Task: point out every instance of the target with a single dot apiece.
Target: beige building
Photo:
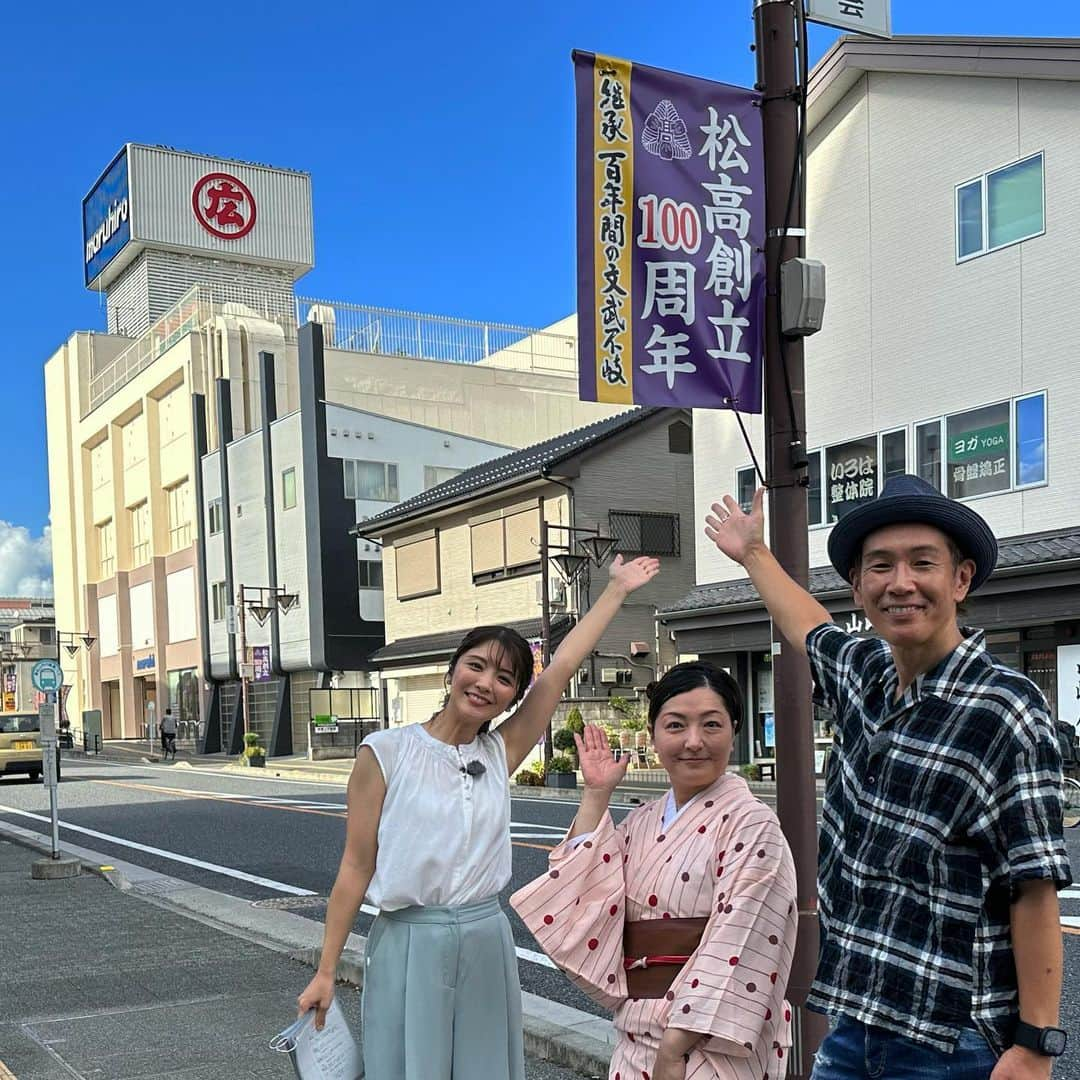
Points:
(121, 446)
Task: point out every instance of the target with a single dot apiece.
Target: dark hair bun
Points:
(650, 690)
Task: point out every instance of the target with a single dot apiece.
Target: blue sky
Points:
(439, 139)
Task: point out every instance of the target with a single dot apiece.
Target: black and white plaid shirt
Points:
(937, 806)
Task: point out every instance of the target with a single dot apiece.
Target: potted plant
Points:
(560, 772)
(575, 723)
(254, 754)
(564, 743)
(529, 778)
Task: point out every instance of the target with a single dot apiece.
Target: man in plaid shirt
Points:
(941, 844)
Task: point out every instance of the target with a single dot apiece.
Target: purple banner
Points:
(671, 237)
(260, 658)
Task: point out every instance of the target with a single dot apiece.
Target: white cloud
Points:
(25, 561)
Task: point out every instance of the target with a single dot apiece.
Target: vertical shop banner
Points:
(671, 238)
(260, 659)
(1068, 684)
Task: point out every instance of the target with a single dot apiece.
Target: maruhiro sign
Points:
(862, 16)
(671, 237)
(106, 218)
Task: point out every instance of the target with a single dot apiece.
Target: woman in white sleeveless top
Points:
(428, 843)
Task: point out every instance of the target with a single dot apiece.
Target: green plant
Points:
(564, 740)
(529, 778)
(574, 721)
(612, 734)
(560, 763)
(622, 706)
(750, 772)
(634, 723)
(252, 748)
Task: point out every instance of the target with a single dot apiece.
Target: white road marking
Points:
(227, 871)
(1071, 921)
(1069, 894)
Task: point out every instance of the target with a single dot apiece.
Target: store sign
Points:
(106, 219)
(260, 659)
(978, 452)
(671, 238)
(146, 663)
(1068, 684)
(324, 725)
(871, 17)
(851, 475)
(223, 205)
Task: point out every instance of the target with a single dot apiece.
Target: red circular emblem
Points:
(223, 205)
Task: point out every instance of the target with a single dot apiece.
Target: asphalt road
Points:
(277, 842)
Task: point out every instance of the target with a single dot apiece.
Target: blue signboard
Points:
(106, 218)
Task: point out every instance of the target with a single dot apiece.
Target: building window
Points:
(183, 688)
(852, 471)
(892, 454)
(139, 526)
(643, 533)
(219, 601)
(178, 502)
(745, 486)
(506, 544)
(106, 544)
(815, 513)
(437, 474)
(416, 566)
(928, 452)
(377, 480)
(214, 516)
(680, 438)
(1000, 208)
(288, 489)
(370, 571)
(987, 450)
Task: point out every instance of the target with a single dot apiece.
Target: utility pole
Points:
(775, 23)
(241, 650)
(545, 620)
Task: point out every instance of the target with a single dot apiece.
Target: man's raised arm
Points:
(741, 537)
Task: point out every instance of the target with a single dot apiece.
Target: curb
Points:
(553, 1031)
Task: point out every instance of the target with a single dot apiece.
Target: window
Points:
(219, 601)
(985, 451)
(416, 566)
(852, 471)
(370, 573)
(371, 480)
(893, 454)
(1031, 440)
(106, 544)
(505, 544)
(745, 486)
(928, 452)
(214, 516)
(437, 474)
(184, 697)
(680, 438)
(288, 489)
(644, 534)
(1000, 208)
(178, 503)
(139, 525)
(815, 514)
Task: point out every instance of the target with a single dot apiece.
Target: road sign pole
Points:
(49, 751)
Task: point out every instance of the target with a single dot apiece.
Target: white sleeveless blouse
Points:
(444, 835)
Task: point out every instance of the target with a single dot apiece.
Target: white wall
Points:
(909, 334)
(180, 593)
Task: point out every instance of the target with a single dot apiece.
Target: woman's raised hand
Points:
(736, 533)
(599, 769)
(635, 573)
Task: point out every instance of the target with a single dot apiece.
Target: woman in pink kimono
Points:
(682, 918)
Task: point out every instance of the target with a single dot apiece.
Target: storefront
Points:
(1029, 609)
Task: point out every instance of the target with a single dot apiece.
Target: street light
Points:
(260, 600)
(570, 567)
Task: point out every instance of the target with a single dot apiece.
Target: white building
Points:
(942, 197)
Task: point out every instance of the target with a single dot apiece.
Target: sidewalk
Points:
(102, 984)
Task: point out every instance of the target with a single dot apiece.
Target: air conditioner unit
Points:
(609, 675)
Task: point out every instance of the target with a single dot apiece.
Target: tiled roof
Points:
(517, 465)
(1015, 552)
(441, 646)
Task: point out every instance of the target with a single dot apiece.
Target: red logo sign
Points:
(223, 206)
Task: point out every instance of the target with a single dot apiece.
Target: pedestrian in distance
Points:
(428, 843)
(682, 918)
(941, 844)
(167, 728)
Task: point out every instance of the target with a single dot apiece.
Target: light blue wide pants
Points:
(441, 995)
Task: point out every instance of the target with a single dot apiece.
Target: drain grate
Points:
(292, 903)
(159, 885)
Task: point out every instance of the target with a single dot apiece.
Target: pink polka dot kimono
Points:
(723, 858)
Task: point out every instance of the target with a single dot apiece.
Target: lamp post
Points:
(570, 566)
(71, 641)
(260, 600)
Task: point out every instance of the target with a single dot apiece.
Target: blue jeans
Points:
(854, 1051)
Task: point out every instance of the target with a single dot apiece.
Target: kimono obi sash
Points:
(655, 951)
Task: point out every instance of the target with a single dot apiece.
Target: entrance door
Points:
(110, 714)
(146, 701)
